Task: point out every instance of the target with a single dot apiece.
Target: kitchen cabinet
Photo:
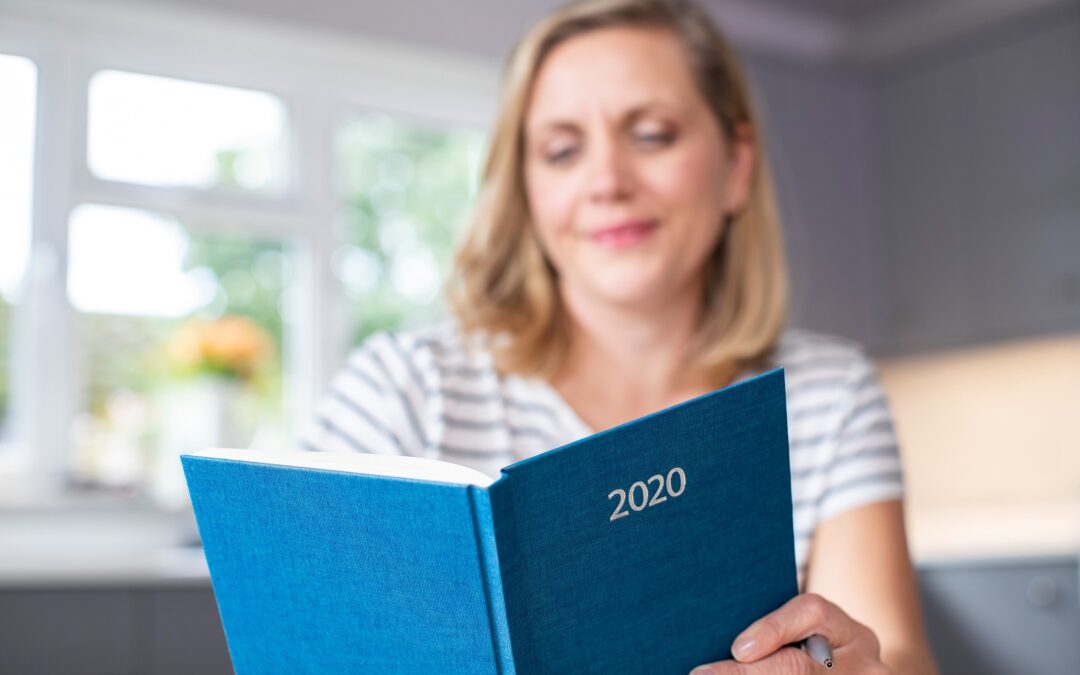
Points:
(1003, 617)
(987, 616)
(980, 212)
(114, 631)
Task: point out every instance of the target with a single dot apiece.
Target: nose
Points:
(610, 173)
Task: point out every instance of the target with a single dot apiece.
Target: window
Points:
(180, 339)
(169, 132)
(17, 89)
(192, 276)
(179, 323)
(407, 188)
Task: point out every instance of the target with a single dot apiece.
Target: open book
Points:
(645, 548)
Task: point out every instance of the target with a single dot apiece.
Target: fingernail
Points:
(744, 647)
(702, 670)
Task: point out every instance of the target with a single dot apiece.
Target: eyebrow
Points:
(562, 124)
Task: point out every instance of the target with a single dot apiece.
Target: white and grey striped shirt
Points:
(434, 393)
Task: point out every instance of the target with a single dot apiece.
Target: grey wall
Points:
(980, 175)
(936, 202)
(818, 127)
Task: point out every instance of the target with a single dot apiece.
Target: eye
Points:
(654, 138)
(652, 134)
(560, 154)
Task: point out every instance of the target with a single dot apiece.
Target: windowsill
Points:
(87, 544)
(154, 568)
(95, 543)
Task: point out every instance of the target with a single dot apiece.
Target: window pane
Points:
(179, 340)
(162, 131)
(407, 189)
(18, 83)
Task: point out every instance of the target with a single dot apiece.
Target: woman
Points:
(625, 255)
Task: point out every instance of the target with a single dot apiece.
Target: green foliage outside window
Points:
(250, 273)
(408, 188)
(128, 351)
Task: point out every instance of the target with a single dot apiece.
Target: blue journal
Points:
(646, 548)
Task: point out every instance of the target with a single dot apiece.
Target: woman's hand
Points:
(765, 647)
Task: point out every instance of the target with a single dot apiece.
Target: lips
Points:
(624, 234)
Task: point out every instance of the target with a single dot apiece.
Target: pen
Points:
(818, 648)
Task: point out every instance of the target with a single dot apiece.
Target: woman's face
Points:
(627, 171)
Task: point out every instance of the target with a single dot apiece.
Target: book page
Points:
(396, 466)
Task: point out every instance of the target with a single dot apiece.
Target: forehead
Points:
(612, 70)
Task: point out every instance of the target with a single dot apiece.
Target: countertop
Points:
(90, 545)
(994, 532)
(118, 547)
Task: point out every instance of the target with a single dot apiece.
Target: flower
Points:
(232, 346)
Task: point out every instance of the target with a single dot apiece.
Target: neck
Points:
(633, 357)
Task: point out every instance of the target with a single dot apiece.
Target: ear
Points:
(742, 155)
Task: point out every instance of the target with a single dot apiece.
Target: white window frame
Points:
(322, 79)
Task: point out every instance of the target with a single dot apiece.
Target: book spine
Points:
(484, 527)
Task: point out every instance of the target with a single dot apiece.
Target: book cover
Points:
(645, 548)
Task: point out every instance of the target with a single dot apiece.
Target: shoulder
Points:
(844, 451)
(444, 342)
(836, 404)
(799, 348)
(820, 364)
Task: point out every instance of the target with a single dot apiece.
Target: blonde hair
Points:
(503, 287)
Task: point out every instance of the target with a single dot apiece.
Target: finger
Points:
(799, 618)
(787, 661)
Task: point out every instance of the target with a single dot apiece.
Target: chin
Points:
(641, 282)
(629, 293)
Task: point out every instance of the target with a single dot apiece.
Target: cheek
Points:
(551, 204)
(691, 183)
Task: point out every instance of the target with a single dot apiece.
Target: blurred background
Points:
(205, 203)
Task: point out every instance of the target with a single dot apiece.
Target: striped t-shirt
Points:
(435, 393)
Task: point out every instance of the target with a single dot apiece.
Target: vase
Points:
(205, 412)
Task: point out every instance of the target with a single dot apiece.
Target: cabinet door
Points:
(978, 152)
(1003, 618)
(187, 633)
(67, 631)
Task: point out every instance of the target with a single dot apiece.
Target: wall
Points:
(989, 426)
(928, 203)
(818, 126)
(980, 175)
(935, 202)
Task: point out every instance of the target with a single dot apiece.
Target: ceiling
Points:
(848, 10)
(864, 32)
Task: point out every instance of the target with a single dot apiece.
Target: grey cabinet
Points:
(70, 631)
(992, 618)
(144, 631)
(1003, 618)
(980, 176)
(187, 635)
